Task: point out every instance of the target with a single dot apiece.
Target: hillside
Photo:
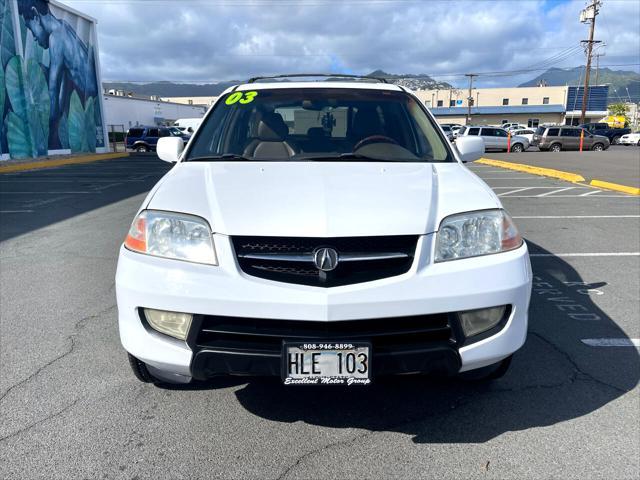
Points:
(170, 89)
(619, 81)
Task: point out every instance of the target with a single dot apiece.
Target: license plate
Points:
(330, 363)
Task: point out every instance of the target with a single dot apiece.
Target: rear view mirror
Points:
(469, 148)
(169, 149)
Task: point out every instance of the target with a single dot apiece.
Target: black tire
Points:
(140, 370)
(517, 148)
(638, 143)
(597, 147)
(615, 140)
(142, 149)
(488, 373)
(556, 147)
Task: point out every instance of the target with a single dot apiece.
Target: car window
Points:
(446, 128)
(570, 132)
(153, 132)
(461, 130)
(540, 130)
(135, 132)
(319, 123)
(164, 132)
(474, 131)
(553, 132)
(486, 132)
(500, 133)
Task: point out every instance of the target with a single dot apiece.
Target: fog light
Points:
(170, 323)
(474, 322)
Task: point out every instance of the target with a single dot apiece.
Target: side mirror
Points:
(470, 148)
(169, 149)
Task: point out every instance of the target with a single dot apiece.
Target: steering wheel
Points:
(374, 139)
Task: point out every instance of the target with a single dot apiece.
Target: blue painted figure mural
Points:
(52, 84)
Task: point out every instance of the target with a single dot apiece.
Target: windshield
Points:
(318, 124)
(175, 131)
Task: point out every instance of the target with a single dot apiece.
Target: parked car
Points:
(613, 134)
(630, 139)
(526, 133)
(556, 139)
(392, 258)
(495, 138)
(447, 131)
(144, 138)
(507, 126)
(516, 126)
(189, 124)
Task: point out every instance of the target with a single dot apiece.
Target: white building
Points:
(130, 111)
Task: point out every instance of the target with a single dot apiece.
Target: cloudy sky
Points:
(214, 40)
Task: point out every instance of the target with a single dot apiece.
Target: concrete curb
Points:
(545, 172)
(19, 167)
(615, 186)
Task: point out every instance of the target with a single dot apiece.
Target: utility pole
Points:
(588, 15)
(469, 97)
(598, 55)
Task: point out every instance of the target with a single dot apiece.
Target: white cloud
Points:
(211, 41)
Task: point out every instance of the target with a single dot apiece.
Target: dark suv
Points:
(556, 138)
(144, 139)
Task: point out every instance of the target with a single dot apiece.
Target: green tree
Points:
(620, 109)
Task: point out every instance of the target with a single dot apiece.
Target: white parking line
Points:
(573, 196)
(555, 191)
(515, 191)
(579, 216)
(596, 254)
(612, 342)
(590, 193)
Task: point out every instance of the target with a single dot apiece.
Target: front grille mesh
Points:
(305, 272)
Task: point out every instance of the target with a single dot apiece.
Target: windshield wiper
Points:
(225, 157)
(352, 157)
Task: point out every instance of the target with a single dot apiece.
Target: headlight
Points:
(476, 233)
(172, 235)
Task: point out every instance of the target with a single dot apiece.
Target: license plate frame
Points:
(327, 353)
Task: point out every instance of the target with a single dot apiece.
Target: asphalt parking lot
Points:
(619, 164)
(70, 407)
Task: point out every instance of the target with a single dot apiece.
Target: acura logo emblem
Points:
(325, 259)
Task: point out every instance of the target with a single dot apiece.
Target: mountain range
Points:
(624, 85)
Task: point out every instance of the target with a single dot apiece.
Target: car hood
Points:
(319, 199)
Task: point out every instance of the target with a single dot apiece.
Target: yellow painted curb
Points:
(545, 172)
(19, 167)
(615, 186)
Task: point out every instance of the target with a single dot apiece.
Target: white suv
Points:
(324, 232)
(495, 138)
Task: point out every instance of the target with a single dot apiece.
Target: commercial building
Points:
(49, 104)
(127, 111)
(531, 106)
(203, 101)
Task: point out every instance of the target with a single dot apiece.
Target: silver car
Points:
(495, 138)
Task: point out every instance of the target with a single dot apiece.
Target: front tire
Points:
(598, 147)
(142, 149)
(615, 140)
(140, 370)
(556, 147)
(488, 373)
(517, 148)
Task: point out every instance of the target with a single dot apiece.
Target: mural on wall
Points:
(51, 86)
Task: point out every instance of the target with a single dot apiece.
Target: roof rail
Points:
(325, 75)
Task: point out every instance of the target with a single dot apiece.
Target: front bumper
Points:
(428, 292)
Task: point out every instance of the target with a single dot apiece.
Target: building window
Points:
(545, 101)
(504, 121)
(505, 101)
(452, 103)
(440, 103)
(525, 101)
(533, 122)
(190, 102)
